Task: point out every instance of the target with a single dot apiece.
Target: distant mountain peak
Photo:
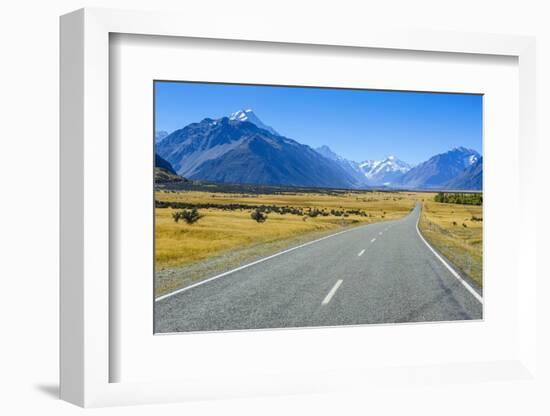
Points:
(251, 117)
(325, 148)
(327, 152)
(159, 135)
(441, 170)
(390, 163)
(239, 151)
(241, 115)
(462, 149)
(386, 172)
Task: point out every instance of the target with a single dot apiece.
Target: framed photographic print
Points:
(247, 213)
(257, 230)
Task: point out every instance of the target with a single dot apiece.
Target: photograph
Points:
(304, 206)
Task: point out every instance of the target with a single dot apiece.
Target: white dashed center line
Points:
(361, 253)
(332, 292)
(373, 240)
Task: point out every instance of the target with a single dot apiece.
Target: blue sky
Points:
(357, 124)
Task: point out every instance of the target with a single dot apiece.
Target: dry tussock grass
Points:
(452, 229)
(180, 244)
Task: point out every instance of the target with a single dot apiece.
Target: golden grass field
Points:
(179, 244)
(452, 231)
(182, 247)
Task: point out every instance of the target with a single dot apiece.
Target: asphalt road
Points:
(378, 273)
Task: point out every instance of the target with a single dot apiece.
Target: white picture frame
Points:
(86, 355)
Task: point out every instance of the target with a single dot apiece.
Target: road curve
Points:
(379, 273)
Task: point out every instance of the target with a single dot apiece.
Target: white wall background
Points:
(29, 207)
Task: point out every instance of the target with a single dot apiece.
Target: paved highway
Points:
(378, 273)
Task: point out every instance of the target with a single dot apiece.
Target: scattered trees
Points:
(459, 198)
(265, 209)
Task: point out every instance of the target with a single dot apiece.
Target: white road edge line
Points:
(361, 252)
(373, 240)
(453, 272)
(332, 292)
(254, 263)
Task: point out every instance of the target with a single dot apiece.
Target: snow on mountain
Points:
(470, 178)
(233, 151)
(441, 169)
(384, 172)
(248, 115)
(242, 149)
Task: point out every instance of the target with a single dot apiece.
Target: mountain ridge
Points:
(241, 148)
(470, 179)
(439, 170)
(236, 151)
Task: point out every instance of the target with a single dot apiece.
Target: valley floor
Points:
(374, 273)
(226, 236)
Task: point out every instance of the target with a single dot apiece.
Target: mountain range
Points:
(441, 170)
(387, 172)
(242, 149)
(237, 151)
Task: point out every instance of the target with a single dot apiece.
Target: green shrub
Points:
(313, 213)
(258, 215)
(189, 216)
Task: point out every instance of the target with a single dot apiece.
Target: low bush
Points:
(258, 216)
(266, 209)
(189, 216)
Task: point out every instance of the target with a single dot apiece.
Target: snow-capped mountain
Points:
(234, 151)
(384, 172)
(248, 115)
(439, 170)
(242, 149)
(350, 166)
